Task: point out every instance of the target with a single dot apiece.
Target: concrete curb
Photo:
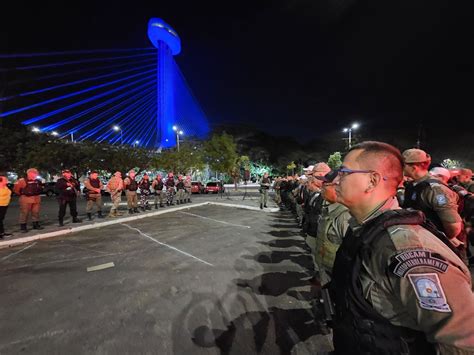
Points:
(18, 241)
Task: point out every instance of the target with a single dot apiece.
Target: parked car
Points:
(49, 188)
(214, 187)
(197, 187)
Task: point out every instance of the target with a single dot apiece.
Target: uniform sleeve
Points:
(342, 223)
(88, 185)
(434, 290)
(18, 186)
(444, 202)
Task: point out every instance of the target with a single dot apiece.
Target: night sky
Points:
(304, 68)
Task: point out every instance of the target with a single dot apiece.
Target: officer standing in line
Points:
(265, 184)
(145, 192)
(188, 188)
(431, 196)
(68, 189)
(130, 186)
(465, 179)
(332, 226)
(170, 189)
(158, 186)
(94, 194)
(29, 189)
(115, 187)
(398, 285)
(276, 188)
(180, 190)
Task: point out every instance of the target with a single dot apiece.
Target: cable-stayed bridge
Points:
(85, 94)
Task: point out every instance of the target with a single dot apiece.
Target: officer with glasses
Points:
(398, 286)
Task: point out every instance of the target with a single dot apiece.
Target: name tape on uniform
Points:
(410, 259)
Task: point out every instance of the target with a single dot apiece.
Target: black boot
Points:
(135, 210)
(130, 211)
(99, 214)
(177, 202)
(61, 222)
(161, 205)
(156, 206)
(76, 220)
(23, 228)
(261, 206)
(189, 200)
(36, 225)
(89, 216)
(265, 206)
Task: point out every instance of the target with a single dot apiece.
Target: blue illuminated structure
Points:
(86, 92)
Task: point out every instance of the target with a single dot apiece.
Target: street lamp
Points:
(136, 143)
(178, 133)
(349, 130)
(117, 129)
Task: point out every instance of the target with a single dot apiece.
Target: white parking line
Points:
(215, 220)
(164, 244)
(17, 252)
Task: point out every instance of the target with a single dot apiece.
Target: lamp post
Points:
(136, 143)
(117, 129)
(178, 133)
(349, 130)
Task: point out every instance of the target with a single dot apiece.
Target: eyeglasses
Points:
(342, 171)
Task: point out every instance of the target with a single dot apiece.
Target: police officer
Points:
(398, 287)
(158, 186)
(265, 184)
(180, 190)
(170, 189)
(145, 192)
(131, 186)
(93, 194)
(332, 227)
(188, 188)
(465, 179)
(68, 189)
(29, 190)
(431, 196)
(115, 187)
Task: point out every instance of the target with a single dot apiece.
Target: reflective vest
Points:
(358, 327)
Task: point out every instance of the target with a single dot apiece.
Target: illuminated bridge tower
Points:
(166, 40)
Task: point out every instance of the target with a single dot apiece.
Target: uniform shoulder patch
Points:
(441, 200)
(429, 292)
(408, 260)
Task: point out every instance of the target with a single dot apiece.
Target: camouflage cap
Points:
(321, 169)
(440, 171)
(415, 156)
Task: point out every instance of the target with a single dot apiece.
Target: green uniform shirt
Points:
(442, 200)
(414, 280)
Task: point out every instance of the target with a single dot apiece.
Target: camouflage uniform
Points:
(411, 279)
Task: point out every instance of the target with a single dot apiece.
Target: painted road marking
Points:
(17, 252)
(215, 220)
(100, 267)
(166, 245)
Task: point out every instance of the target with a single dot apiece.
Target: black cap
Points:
(66, 171)
(329, 177)
(94, 172)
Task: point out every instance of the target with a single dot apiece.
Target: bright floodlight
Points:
(180, 133)
(36, 129)
(137, 142)
(116, 128)
(175, 128)
(345, 130)
(54, 133)
(355, 125)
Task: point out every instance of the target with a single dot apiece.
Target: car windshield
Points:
(212, 184)
(195, 183)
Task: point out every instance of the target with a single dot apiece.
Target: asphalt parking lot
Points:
(207, 280)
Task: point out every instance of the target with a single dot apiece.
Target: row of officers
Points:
(157, 191)
(398, 278)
